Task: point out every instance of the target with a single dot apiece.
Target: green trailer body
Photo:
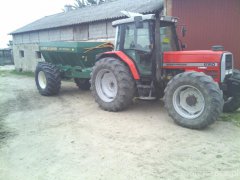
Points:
(73, 59)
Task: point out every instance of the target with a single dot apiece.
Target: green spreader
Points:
(74, 59)
(67, 60)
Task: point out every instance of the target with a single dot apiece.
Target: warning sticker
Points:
(166, 40)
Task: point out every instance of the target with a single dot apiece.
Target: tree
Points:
(79, 3)
(96, 1)
(10, 44)
(83, 3)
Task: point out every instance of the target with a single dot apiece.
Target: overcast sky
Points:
(17, 13)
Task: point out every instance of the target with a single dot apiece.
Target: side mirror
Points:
(184, 31)
(138, 22)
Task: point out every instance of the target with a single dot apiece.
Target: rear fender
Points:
(122, 56)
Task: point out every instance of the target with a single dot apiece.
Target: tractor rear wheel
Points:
(82, 84)
(193, 100)
(48, 79)
(112, 84)
(231, 104)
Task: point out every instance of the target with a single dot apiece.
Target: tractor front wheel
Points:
(112, 84)
(48, 79)
(193, 100)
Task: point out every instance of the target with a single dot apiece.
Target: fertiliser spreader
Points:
(67, 60)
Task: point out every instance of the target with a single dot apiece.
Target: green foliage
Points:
(96, 1)
(14, 72)
(79, 4)
(232, 117)
(23, 73)
(84, 3)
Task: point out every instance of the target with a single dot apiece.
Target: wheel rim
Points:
(188, 101)
(106, 85)
(42, 80)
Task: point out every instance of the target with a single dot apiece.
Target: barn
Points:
(6, 57)
(214, 22)
(210, 22)
(93, 23)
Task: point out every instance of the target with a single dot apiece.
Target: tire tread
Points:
(53, 77)
(126, 84)
(215, 109)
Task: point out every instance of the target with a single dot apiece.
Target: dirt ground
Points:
(67, 137)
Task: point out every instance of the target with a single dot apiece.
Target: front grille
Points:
(229, 62)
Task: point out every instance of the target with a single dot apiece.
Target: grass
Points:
(4, 73)
(25, 73)
(14, 72)
(232, 117)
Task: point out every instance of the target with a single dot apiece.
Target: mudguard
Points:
(122, 56)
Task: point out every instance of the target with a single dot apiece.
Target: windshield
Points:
(137, 38)
(141, 39)
(168, 42)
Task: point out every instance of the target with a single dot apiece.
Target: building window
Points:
(21, 54)
(38, 55)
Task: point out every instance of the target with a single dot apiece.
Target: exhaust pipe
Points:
(158, 52)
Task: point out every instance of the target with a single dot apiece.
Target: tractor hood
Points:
(206, 56)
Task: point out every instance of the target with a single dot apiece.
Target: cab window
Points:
(167, 39)
(137, 38)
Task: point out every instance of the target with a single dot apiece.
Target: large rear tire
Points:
(112, 84)
(82, 84)
(193, 100)
(48, 79)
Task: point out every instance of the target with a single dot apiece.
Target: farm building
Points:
(6, 57)
(93, 23)
(208, 23)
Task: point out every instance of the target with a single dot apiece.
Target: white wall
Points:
(28, 42)
(29, 61)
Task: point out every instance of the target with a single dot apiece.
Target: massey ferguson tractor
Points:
(147, 62)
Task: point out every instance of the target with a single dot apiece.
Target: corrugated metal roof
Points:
(110, 10)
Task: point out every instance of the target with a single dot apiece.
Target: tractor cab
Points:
(135, 36)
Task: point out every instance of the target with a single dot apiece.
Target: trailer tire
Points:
(232, 104)
(47, 78)
(82, 84)
(112, 84)
(193, 100)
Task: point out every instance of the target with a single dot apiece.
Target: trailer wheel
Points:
(47, 78)
(82, 84)
(112, 84)
(231, 104)
(193, 100)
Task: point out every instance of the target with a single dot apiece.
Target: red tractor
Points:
(148, 62)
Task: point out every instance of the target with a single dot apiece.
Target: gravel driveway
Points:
(67, 137)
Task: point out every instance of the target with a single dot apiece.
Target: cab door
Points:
(138, 44)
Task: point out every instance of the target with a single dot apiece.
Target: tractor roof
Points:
(144, 18)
